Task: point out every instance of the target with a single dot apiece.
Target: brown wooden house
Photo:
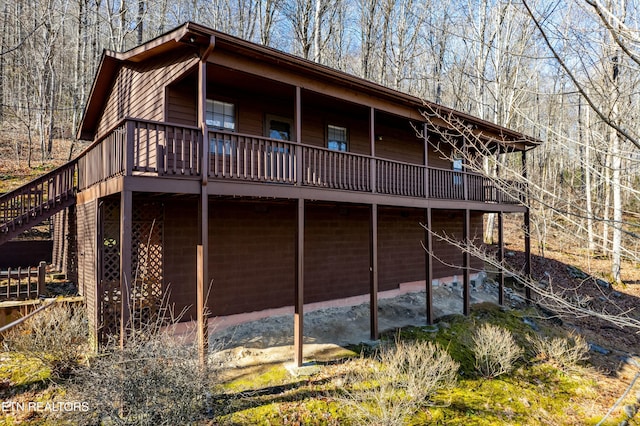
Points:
(277, 180)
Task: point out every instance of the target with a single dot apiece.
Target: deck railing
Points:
(172, 150)
(37, 200)
(398, 178)
(246, 157)
(337, 170)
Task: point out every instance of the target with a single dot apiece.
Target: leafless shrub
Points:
(404, 378)
(58, 336)
(156, 379)
(565, 353)
(495, 350)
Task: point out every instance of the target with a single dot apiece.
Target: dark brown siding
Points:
(318, 112)
(139, 90)
(180, 242)
(336, 252)
(252, 251)
(251, 256)
(88, 259)
(401, 257)
(182, 102)
(450, 223)
(24, 253)
(397, 140)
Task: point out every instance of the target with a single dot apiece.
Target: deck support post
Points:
(202, 275)
(466, 261)
(527, 228)
(501, 258)
(428, 270)
(373, 271)
(126, 276)
(202, 249)
(298, 317)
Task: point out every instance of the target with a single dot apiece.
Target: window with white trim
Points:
(336, 138)
(221, 115)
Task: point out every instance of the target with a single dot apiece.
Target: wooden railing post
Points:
(42, 269)
(372, 137)
(426, 160)
(129, 147)
(299, 152)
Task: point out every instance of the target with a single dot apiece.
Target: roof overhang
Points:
(195, 36)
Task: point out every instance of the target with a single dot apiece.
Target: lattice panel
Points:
(147, 231)
(110, 294)
(147, 262)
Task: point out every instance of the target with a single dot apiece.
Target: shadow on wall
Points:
(14, 254)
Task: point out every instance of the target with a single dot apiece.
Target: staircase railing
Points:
(37, 200)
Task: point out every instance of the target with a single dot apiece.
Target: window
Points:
(457, 169)
(277, 127)
(337, 138)
(221, 147)
(221, 115)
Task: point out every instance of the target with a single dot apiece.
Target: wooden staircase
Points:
(38, 200)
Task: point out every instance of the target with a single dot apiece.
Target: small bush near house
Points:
(564, 353)
(155, 379)
(58, 336)
(495, 350)
(393, 388)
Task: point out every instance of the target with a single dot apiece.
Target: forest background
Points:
(566, 72)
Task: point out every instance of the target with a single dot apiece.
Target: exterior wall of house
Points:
(447, 257)
(336, 252)
(87, 224)
(25, 253)
(401, 257)
(251, 256)
(182, 101)
(180, 242)
(252, 251)
(138, 90)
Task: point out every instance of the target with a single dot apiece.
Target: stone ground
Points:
(327, 331)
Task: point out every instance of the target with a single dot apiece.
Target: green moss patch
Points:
(18, 369)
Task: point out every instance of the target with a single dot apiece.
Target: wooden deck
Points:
(162, 150)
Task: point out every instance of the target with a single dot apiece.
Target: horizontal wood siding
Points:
(182, 103)
(318, 113)
(251, 256)
(336, 252)
(138, 90)
(450, 223)
(401, 257)
(396, 140)
(180, 241)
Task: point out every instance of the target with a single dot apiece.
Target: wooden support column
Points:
(372, 149)
(298, 317)
(373, 269)
(126, 275)
(501, 258)
(202, 249)
(466, 263)
(202, 273)
(428, 262)
(526, 227)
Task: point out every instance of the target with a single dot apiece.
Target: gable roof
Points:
(197, 37)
